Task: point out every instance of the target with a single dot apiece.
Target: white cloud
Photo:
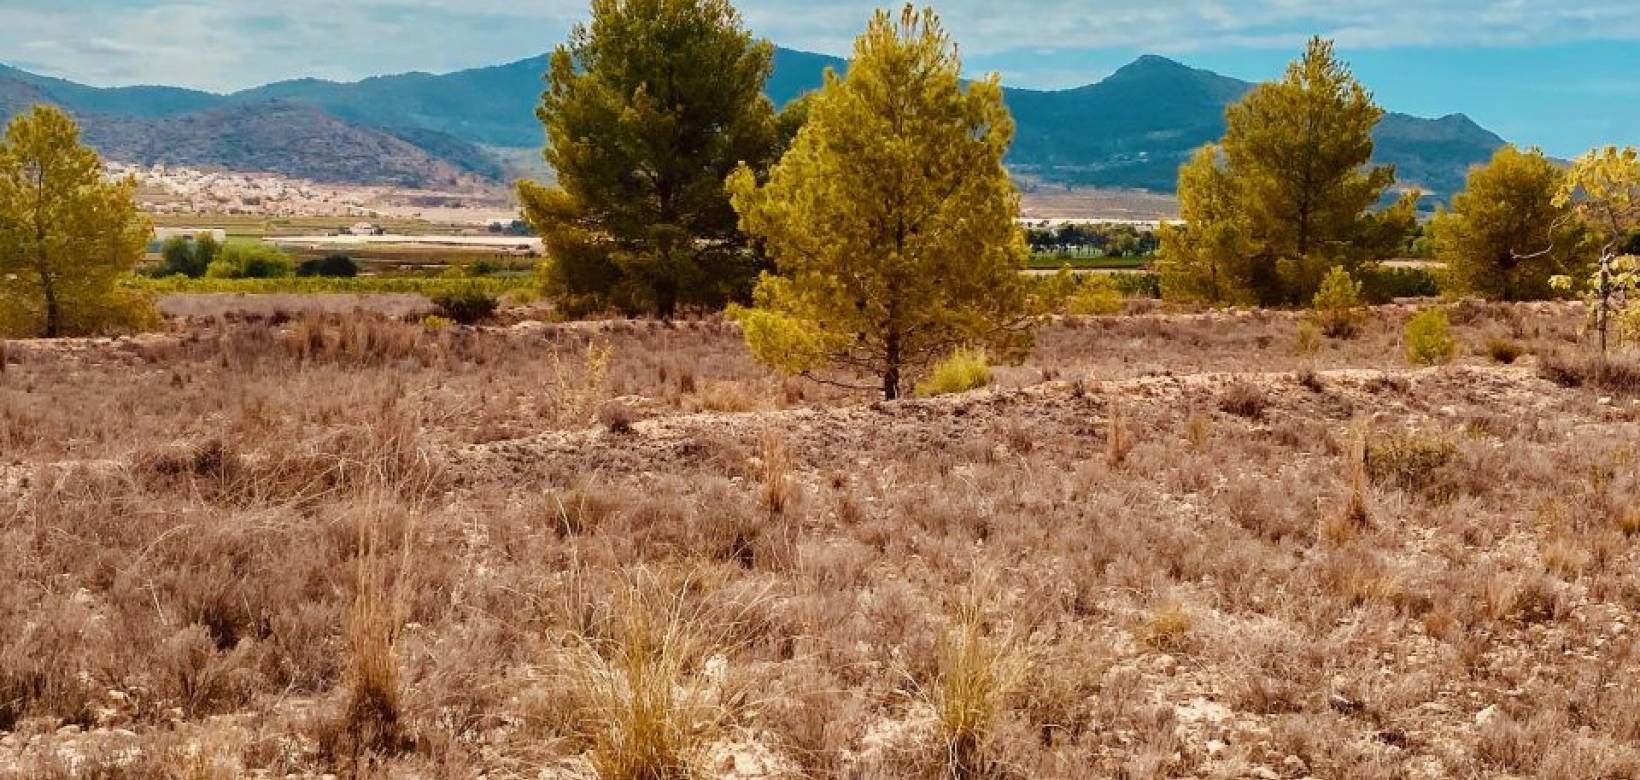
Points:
(228, 44)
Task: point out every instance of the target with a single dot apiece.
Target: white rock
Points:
(1487, 715)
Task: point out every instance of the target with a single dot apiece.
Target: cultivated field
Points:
(1168, 545)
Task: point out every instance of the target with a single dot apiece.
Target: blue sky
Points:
(1556, 73)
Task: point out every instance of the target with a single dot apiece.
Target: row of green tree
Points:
(1289, 194)
(1106, 239)
(203, 256)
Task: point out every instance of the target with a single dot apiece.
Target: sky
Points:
(1559, 74)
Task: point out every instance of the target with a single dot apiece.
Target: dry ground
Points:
(1168, 545)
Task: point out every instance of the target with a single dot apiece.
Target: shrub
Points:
(332, 266)
(1614, 374)
(966, 369)
(1095, 295)
(250, 260)
(1409, 460)
(1503, 351)
(1135, 284)
(1384, 284)
(187, 257)
(1429, 338)
(1307, 340)
(1338, 304)
(1244, 399)
(466, 304)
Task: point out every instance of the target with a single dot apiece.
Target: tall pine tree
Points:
(891, 219)
(648, 109)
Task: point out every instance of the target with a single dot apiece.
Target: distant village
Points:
(166, 189)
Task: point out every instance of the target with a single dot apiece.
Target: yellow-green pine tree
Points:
(891, 220)
(1209, 257)
(1295, 153)
(1505, 237)
(1604, 187)
(67, 235)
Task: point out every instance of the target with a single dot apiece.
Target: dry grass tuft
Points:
(978, 671)
(655, 690)
(1244, 399)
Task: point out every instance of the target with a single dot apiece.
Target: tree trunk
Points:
(891, 375)
(1602, 320)
(54, 313)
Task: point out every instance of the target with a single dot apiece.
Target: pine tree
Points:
(1604, 187)
(648, 109)
(67, 236)
(1295, 194)
(1505, 237)
(891, 219)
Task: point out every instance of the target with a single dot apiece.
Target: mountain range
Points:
(1129, 130)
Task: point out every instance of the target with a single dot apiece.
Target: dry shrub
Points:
(1244, 399)
(575, 393)
(354, 339)
(1117, 441)
(1504, 351)
(617, 418)
(1615, 374)
(1410, 460)
(1168, 628)
(1356, 515)
(371, 723)
(774, 468)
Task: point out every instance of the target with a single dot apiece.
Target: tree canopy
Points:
(891, 220)
(1288, 193)
(67, 235)
(648, 109)
(1505, 237)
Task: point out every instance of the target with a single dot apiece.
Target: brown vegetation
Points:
(354, 545)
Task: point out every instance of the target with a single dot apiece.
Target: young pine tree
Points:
(1505, 237)
(648, 109)
(891, 219)
(66, 235)
(1296, 193)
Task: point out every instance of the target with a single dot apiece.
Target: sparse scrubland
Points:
(355, 545)
(443, 537)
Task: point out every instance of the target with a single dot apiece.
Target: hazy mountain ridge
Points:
(1131, 129)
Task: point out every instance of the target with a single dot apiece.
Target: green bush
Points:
(188, 257)
(1138, 284)
(1429, 338)
(1338, 304)
(966, 369)
(250, 260)
(331, 266)
(468, 304)
(1095, 295)
(1384, 284)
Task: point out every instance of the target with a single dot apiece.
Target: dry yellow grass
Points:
(1384, 572)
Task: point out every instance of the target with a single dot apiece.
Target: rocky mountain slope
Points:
(1130, 130)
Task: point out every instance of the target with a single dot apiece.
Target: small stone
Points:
(1487, 715)
(1343, 704)
(1295, 766)
(1215, 747)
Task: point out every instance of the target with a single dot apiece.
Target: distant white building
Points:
(366, 229)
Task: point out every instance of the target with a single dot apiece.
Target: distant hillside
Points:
(294, 139)
(1130, 130)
